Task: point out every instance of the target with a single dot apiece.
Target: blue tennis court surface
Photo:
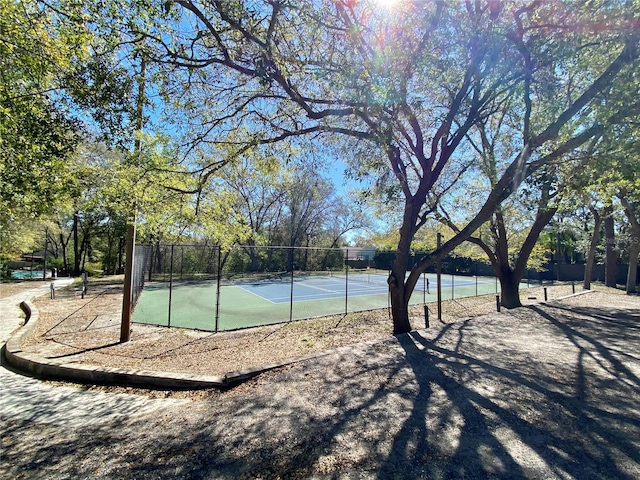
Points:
(321, 288)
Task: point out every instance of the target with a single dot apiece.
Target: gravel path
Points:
(546, 391)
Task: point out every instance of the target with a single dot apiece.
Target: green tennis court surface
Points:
(249, 303)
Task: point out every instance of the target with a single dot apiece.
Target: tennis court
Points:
(334, 286)
(243, 303)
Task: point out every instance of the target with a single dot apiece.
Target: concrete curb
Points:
(45, 368)
(81, 373)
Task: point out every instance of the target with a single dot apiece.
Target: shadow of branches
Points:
(542, 392)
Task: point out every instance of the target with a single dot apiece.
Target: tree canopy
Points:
(401, 87)
(400, 93)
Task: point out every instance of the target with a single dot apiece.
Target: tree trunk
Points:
(158, 258)
(54, 249)
(397, 287)
(510, 277)
(509, 289)
(84, 258)
(610, 257)
(632, 274)
(84, 249)
(65, 261)
(398, 290)
(591, 258)
(399, 308)
(76, 246)
(120, 255)
(630, 210)
(224, 258)
(110, 261)
(253, 255)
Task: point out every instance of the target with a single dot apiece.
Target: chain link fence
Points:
(205, 287)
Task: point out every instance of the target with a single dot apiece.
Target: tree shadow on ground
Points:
(542, 393)
(575, 421)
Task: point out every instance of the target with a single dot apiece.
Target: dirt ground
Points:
(545, 391)
(88, 331)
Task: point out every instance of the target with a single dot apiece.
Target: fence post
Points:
(426, 316)
(389, 297)
(453, 275)
(439, 279)
(46, 244)
(219, 274)
(545, 293)
(476, 264)
(151, 260)
(291, 253)
(498, 303)
(346, 282)
(170, 286)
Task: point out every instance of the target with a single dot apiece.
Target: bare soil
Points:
(88, 331)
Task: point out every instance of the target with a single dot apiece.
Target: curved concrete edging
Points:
(82, 373)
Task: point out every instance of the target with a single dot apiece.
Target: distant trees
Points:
(37, 135)
(261, 199)
(613, 182)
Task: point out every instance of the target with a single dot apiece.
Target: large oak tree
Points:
(401, 86)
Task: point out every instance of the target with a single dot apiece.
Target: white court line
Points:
(256, 295)
(357, 287)
(336, 294)
(319, 288)
(353, 292)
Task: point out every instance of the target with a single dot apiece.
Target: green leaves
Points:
(35, 142)
(37, 134)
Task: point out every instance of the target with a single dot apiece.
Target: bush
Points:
(55, 262)
(93, 269)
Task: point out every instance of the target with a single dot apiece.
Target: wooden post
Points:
(127, 300)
